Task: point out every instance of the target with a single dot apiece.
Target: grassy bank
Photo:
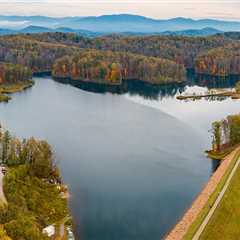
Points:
(220, 155)
(225, 222)
(13, 88)
(4, 98)
(196, 224)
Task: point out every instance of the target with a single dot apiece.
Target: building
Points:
(49, 231)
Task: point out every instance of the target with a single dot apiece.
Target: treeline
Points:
(112, 67)
(10, 73)
(36, 154)
(36, 55)
(180, 49)
(226, 133)
(231, 35)
(213, 55)
(223, 61)
(32, 201)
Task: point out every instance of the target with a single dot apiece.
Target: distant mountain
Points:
(134, 23)
(86, 33)
(6, 31)
(194, 32)
(38, 29)
(119, 23)
(35, 29)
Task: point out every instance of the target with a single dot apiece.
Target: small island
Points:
(33, 199)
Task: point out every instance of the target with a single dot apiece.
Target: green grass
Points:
(196, 224)
(15, 87)
(4, 98)
(225, 223)
(220, 155)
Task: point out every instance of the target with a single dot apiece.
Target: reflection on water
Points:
(158, 92)
(212, 82)
(133, 162)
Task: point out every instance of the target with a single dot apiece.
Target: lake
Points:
(133, 162)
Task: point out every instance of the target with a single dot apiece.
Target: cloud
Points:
(13, 24)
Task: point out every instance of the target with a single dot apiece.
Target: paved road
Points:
(218, 200)
(2, 197)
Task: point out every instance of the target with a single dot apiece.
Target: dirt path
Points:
(191, 215)
(2, 196)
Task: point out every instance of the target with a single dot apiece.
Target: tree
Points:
(217, 133)
(5, 146)
(237, 87)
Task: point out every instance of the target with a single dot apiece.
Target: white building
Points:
(49, 231)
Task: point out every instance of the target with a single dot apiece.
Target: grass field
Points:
(225, 223)
(196, 224)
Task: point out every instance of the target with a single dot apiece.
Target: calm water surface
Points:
(133, 162)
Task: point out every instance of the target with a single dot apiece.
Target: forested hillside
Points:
(222, 61)
(182, 50)
(155, 59)
(112, 67)
(38, 56)
(10, 73)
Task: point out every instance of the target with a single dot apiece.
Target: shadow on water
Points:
(157, 92)
(215, 165)
(210, 81)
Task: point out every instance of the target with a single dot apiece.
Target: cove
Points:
(133, 162)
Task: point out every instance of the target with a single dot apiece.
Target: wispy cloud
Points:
(13, 24)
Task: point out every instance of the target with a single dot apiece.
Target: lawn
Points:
(225, 223)
(196, 224)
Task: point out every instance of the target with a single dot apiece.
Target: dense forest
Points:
(182, 50)
(155, 59)
(11, 73)
(112, 67)
(222, 61)
(38, 56)
(33, 197)
(189, 51)
(231, 35)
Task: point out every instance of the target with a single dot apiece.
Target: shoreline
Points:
(8, 89)
(113, 88)
(204, 201)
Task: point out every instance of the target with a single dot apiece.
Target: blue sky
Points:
(220, 9)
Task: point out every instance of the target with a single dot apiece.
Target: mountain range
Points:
(121, 23)
(86, 33)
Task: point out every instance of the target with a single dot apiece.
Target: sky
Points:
(159, 9)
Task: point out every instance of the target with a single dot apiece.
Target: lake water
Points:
(133, 162)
